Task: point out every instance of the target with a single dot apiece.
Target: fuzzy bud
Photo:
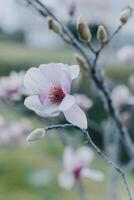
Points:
(101, 34)
(81, 62)
(37, 134)
(54, 25)
(83, 30)
(125, 15)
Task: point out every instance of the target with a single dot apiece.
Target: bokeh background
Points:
(29, 171)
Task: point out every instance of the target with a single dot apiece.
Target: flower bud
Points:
(125, 15)
(54, 25)
(83, 30)
(101, 34)
(37, 134)
(81, 62)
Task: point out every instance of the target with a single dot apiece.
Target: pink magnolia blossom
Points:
(126, 55)
(83, 101)
(50, 87)
(11, 87)
(76, 165)
(121, 96)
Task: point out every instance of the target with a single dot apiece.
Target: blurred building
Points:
(14, 16)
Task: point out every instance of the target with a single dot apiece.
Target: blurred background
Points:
(29, 171)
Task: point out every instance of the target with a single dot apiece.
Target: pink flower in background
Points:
(50, 87)
(83, 101)
(11, 87)
(126, 55)
(121, 96)
(14, 131)
(71, 7)
(76, 165)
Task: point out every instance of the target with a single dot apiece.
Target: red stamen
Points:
(56, 95)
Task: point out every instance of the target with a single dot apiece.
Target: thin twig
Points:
(98, 151)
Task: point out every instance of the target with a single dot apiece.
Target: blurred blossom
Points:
(11, 87)
(15, 131)
(50, 86)
(126, 55)
(83, 101)
(121, 96)
(76, 165)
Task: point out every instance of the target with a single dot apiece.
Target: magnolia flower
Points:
(50, 87)
(75, 165)
(126, 55)
(121, 96)
(11, 87)
(83, 101)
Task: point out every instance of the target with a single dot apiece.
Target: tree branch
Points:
(99, 81)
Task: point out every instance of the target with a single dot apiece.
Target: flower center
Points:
(77, 172)
(56, 95)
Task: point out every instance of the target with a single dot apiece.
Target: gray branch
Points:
(98, 151)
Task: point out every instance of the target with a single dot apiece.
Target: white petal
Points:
(66, 180)
(33, 103)
(84, 155)
(66, 82)
(35, 82)
(76, 116)
(74, 69)
(44, 110)
(52, 71)
(92, 174)
(68, 159)
(67, 103)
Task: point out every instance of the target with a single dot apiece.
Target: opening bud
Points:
(101, 34)
(54, 25)
(83, 30)
(37, 134)
(81, 62)
(125, 15)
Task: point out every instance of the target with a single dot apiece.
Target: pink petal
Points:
(74, 70)
(68, 159)
(67, 103)
(76, 116)
(66, 180)
(84, 155)
(66, 82)
(44, 110)
(92, 174)
(52, 71)
(36, 83)
(33, 103)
